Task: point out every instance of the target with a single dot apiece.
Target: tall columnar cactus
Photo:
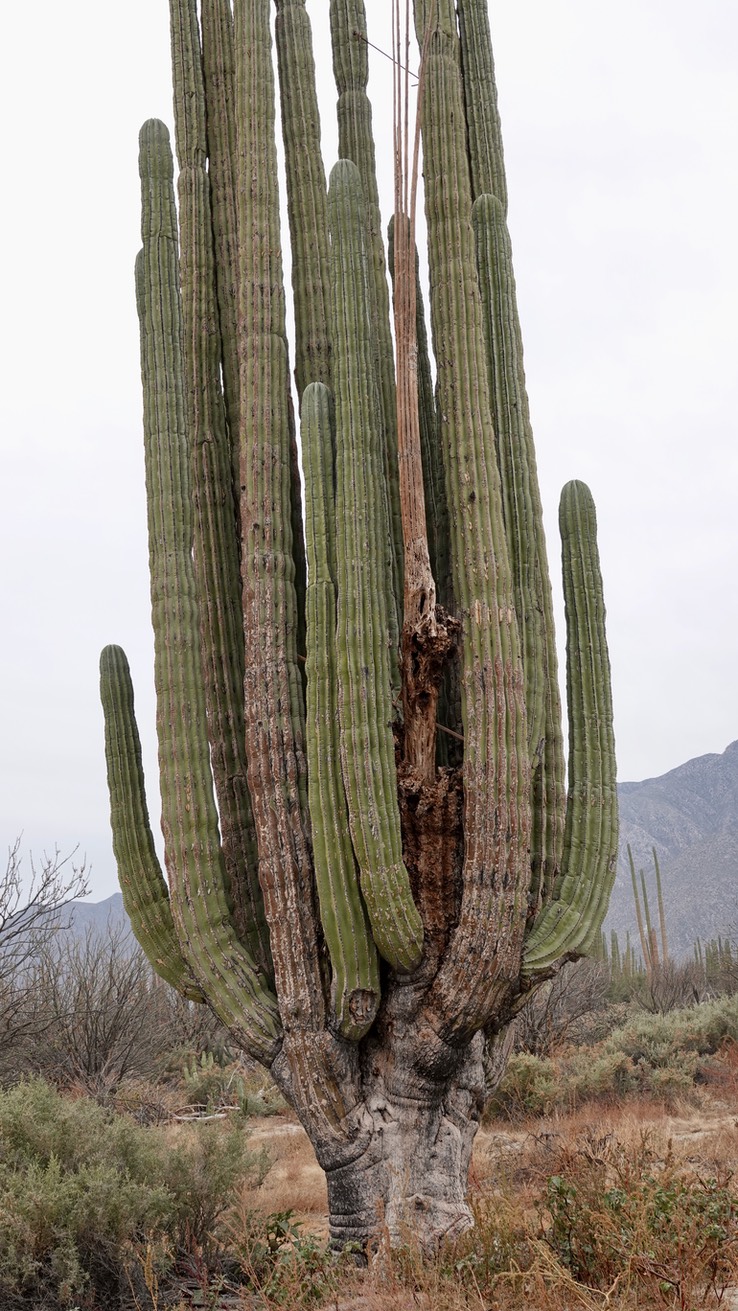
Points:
(359, 909)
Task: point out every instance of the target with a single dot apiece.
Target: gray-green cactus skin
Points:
(359, 922)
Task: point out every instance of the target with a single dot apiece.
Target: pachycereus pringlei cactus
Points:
(372, 854)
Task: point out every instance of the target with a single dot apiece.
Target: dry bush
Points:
(614, 1210)
(672, 985)
(102, 1013)
(30, 909)
(102, 1019)
(556, 1013)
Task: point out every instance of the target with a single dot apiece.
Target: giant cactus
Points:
(361, 910)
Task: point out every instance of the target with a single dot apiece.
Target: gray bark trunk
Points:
(401, 1163)
(408, 1174)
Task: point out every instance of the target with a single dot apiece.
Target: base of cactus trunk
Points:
(409, 1184)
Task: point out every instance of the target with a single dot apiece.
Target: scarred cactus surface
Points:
(372, 855)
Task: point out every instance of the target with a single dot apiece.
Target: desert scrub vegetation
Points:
(662, 1057)
(85, 1191)
(607, 1212)
(618, 1205)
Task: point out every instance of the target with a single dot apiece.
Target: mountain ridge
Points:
(690, 815)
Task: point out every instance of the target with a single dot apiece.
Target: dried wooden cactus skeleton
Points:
(359, 897)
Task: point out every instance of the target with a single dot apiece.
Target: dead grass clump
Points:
(294, 1182)
(636, 1216)
(719, 1073)
(615, 1208)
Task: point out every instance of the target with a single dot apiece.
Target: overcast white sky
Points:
(620, 129)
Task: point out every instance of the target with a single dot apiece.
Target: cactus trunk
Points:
(359, 903)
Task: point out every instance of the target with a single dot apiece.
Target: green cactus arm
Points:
(662, 912)
(307, 198)
(523, 515)
(355, 987)
(581, 895)
(145, 893)
(365, 703)
(216, 547)
(356, 142)
(486, 156)
(645, 945)
(483, 957)
(223, 968)
(306, 206)
(274, 716)
(219, 77)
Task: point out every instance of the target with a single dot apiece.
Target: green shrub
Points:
(615, 1216)
(81, 1189)
(528, 1087)
(285, 1266)
(660, 1056)
(661, 1040)
(595, 1075)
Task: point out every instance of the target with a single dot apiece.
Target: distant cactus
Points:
(356, 906)
(654, 954)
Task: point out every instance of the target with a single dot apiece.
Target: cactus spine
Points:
(359, 906)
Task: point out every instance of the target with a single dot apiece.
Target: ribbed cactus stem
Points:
(486, 158)
(306, 205)
(219, 77)
(580, 899)
(274, 707)
(307, 200)
(145, 893)
(222, 966)
(523, 516)
(484, 954)
(216, 544)
(356, 142)
(355, 985)
(365, 701)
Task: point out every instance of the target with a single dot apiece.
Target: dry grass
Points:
(660, 1250)
(295, 1181)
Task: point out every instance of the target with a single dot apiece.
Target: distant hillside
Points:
(690, 816)
(97, 916)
